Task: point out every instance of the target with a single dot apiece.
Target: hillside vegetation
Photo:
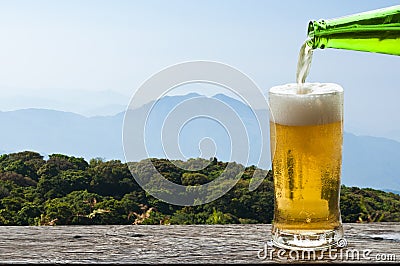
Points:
(65, 190)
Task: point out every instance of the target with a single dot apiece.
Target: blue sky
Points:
(88, 55)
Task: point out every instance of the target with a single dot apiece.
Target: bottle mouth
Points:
(311, 34)
(313, 37)
(311, 29)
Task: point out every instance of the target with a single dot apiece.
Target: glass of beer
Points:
(306, 150)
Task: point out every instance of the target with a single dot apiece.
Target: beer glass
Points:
(306, 150)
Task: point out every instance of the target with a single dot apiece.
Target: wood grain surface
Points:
(374, 242)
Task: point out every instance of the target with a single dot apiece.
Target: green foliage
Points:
(23, 163)
(369, 205)
(27, 214)
(111, 178)
(193, 179)
(65, 190)
(109, 211)
(58, 211)
(17, 179)
(218, 217)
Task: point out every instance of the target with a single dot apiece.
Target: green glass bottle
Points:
(373, 31)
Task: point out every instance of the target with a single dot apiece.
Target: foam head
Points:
(322, 104)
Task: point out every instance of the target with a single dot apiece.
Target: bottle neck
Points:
(315, 38)
(372, 31)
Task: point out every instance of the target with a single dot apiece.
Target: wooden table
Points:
(181, 244)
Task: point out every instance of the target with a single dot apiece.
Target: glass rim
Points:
(315, 89)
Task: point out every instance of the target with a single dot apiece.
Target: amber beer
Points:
(306, 146)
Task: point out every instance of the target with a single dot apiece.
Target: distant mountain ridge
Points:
(367, 161)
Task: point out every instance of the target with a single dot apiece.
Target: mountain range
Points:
(367, 161)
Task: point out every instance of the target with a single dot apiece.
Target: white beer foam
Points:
(321, 104)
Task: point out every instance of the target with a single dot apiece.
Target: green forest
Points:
(66, 190)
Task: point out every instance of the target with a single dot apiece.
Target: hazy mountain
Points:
(80, 101)
(371, 161)
(392, 191)
(367, 161)
(48, 131)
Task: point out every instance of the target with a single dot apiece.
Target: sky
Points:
(89, 57)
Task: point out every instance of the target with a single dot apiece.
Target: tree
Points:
(63, 183)
(112, 178)
(74, 208)
(193, 179)
(218, 217)
(58, 212)
(25, 163)
(110, 211)
(17, 179)
(28, 214)
(59, 162)
(68, 190)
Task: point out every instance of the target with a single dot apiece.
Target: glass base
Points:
(308, 240)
